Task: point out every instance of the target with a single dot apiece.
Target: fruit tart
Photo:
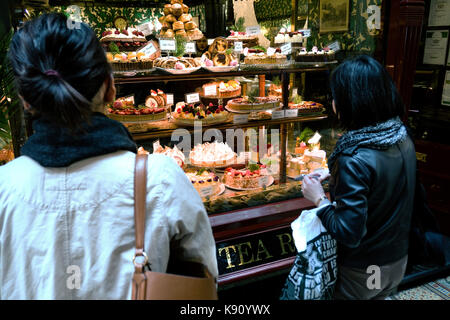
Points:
(123, 109)
(206, 182)
(253, 177)
(188, 114)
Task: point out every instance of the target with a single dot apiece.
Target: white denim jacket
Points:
(63, 228)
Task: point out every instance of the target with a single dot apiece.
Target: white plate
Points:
(271, 181)
(221, 69)
(176, 71)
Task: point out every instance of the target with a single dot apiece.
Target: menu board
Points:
(435, 47)
(439, 13)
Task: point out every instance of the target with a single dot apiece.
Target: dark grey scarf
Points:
(380, 136)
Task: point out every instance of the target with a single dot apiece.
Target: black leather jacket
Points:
(374, 195)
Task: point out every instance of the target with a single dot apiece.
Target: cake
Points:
(247, 40)
(253, 104)
(177, 63)
(205, 182)
(188, 114)
(249, 178)
(228, 89)
(219, 55)
(129, 39)
(264, 58)
(288, 37)
(215, 154)
(132, 61)
(310, 161)
(124, 109)
(174, 153)
(300, 146)
(177, 21)
(306, 106)
(315, 55)
(296, 166)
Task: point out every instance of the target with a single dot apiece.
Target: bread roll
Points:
(167, 9)
(170, 18)
(178, 25)
(191, 25)
(177, 10)
(169, 33)
(185, 17)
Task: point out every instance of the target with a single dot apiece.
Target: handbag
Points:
(192, 281)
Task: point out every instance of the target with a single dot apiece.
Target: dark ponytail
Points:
(58, 70)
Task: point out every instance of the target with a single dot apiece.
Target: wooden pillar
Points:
(262, 85)
(405, 28)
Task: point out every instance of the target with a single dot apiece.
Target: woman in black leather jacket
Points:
(372, 182)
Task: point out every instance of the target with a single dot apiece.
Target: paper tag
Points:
(334, 46)
(210, 90)
(271, 51)
(206, 191)
(306, 32)
(190, 47)
(145, 28)
(277, 114)
(238, 46)
(167, 45)
(240, 118)
(292, 113)
(286, 48)
(253, 31)
(210, 41)
(169, 98)
(263, 181)
(148, 49)
(192, 97)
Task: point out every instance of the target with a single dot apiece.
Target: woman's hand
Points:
(312, 189)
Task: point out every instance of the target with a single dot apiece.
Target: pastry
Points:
(178, 25)
(218, 53)
(315, 55)
(177, 9)
(166, 26)
(167, 9)
(306, 106)
(215, 154)
(249, 178)
(255, 104)
(188, 114)
(170, 18)
(123, 109)
(181, 33)
(228, 89)
(191, 25)
(263, 58)
(185, 8)
(186, 18)
(204, 181)
(174, 153)
(133, 60)
(162, 19)
(300, 146)
(128, 39)
(176, 1)
(169, 33)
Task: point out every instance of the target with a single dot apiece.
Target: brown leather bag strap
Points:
(140, 195)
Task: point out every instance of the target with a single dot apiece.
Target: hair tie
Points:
(52, 72)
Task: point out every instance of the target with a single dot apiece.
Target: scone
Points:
(177, 9)
(178, 25)
(190, 25)
(185, 17)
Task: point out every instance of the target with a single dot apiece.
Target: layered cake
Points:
(177, 21)
(253, 104)
(264, 58)
(125, 110)
(296, 166)
(215, 154)
(129, 39)
(174, 153)
(228, 89)
(249, 178)
(188, 114)
(315, 55)
(204, 181)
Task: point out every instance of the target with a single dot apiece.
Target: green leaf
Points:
(114, 48)
(253, 167)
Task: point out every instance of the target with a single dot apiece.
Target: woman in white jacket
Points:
(67, 204)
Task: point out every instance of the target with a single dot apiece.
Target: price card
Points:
(238, 46)
(210, 90)
(210, 41)
(334, 46)
(169, 97)
(192, 97)
(291, 113)
(148, 49)
(206, 191)
(306, 32)
(277, 114)
(167, 45)
(263, 181)
(145, 28)
(240, 118)
(253, 31)
(286, 48)
(190, 47)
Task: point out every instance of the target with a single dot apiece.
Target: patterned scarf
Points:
(380, 136)
(53, 146)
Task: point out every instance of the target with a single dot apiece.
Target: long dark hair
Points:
(364, 93)
(58, 69)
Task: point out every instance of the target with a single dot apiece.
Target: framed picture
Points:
(334, 15)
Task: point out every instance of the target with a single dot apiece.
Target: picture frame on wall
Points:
(334, 15)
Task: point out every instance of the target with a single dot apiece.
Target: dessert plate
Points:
(221, 69)
(269, 183)
(181, 71)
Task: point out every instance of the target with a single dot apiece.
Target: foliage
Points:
(181, 45)
(239, 26)
(306, 134)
